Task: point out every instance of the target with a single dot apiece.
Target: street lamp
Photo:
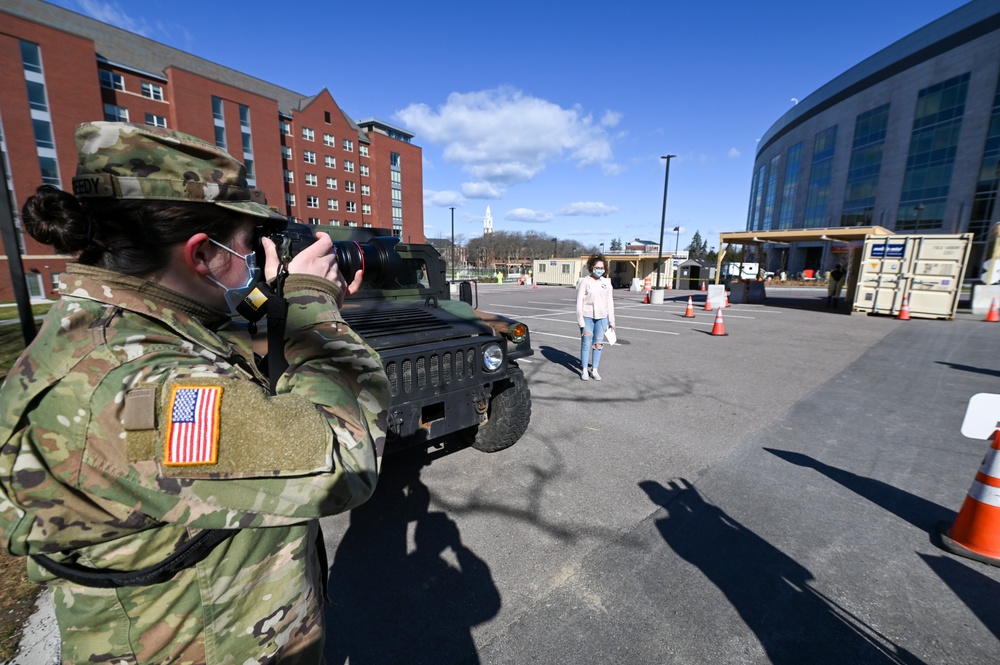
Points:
(917, 209)
(663, 220)
(452, 242)
(677, 244)
(602, 249)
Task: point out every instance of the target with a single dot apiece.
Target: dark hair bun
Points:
(54, 217)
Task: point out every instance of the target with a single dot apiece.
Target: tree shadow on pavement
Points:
(921, 513)
(393, 605)
(980, 593)
(794, 622)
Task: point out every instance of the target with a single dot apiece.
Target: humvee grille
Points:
(372, 324)
(429, 373)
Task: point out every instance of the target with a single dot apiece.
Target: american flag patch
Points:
(193, 434)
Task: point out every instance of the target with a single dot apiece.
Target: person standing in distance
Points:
(595, 312)
(167, 499)
(833, 287)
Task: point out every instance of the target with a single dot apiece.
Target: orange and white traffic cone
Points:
(719, 328)
(708, 304)
(727, 299)
(535, 284)
(993, 315)
(703, 287)
(645, 301)
(976, 531)
(689, 312)
(904, 311)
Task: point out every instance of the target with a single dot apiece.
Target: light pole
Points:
(663, 220)
(452, 242)
(917, 209)
(677, 244)
(602, 249)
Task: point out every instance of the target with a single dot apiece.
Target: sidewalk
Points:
(40, 643)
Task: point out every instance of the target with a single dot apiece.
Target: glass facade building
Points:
(908, 139)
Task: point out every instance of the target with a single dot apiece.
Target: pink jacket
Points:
(593, 299)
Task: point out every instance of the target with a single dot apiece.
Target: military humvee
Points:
(451, 368)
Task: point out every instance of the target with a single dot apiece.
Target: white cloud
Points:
(587, 209)
(443, 199)
(503, 136)
(481, 190)
(611, 118)
(527, 215)
(112, 14)
(612, 169)
(734, 153)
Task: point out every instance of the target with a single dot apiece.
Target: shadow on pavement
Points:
(391, 604)
(980, 593)
(794, 623)
(970, 368)
(921, 513)
(559, 357)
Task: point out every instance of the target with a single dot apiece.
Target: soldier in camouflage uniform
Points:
(139, 353)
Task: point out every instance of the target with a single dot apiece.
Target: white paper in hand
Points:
(610, 337)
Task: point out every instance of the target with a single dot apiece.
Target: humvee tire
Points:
(509, 413)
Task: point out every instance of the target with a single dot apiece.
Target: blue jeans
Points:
(592, 337)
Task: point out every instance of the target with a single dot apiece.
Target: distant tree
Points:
(698, 249)
(616, 244)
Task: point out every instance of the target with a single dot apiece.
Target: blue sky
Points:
(555, 114)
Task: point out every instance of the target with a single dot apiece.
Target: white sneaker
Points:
(584, 374)
(593, 373)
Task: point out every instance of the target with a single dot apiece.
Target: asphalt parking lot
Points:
(768, 496)
(771, 496)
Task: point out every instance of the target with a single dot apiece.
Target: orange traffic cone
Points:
(703, 286)
(904, 311)
(708, 304)
(976, 531)
(727, 299)
(689, 312)
(719, 328)
(645, 301)
(993, 315)
(535, 285)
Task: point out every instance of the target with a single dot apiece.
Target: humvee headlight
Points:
(492, 357)
(518, 332)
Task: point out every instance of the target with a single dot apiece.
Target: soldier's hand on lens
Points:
(318, 259)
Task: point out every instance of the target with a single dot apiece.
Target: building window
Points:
(349, 166)
(311, 179)
(286, 152)
(352, 206)
(31, 57)
(290, 200)
(366, 209)
(397, 195)
(397, 216)
(114, 113)
(984, 203)
(217, 111)
(366, 190)
(348, 145)
(350, 223)
(326, 117)
(156, 120)
(329, 141)
(824, 145)
(286, 128)
(50, 170)
(366, 225)
(870, 129)
(767, 221)
(363, 150)
(331, 183)
(363, 169)
(565, 268)
(329, 162)
(37, 100)
(152, 91)
(289, 176)
(314, 220)
(332, 204)
(312, 201)
(111, 80)
(308, 134)
(349, 186)
(395, 177)
(933, 146)
(394, 160)
(309, 156)
(43, 134)
(334, 222)
(791, 187)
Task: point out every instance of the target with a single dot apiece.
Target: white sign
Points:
(982, 418)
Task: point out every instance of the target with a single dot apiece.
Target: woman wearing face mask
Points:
(170, 502)
(595, 312)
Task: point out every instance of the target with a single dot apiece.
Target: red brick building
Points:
(59, 68)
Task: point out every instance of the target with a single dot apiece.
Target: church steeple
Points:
(488, 222)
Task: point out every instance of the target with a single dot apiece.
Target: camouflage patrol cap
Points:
(125, 161)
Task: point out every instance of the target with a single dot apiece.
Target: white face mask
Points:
(234, 296)
(598, 271)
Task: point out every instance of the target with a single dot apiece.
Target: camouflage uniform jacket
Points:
(85, 474)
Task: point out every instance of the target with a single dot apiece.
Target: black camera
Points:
(376, 258)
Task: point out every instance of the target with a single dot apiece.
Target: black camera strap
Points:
(277, 318)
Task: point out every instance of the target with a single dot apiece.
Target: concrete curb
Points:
(40, 643)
